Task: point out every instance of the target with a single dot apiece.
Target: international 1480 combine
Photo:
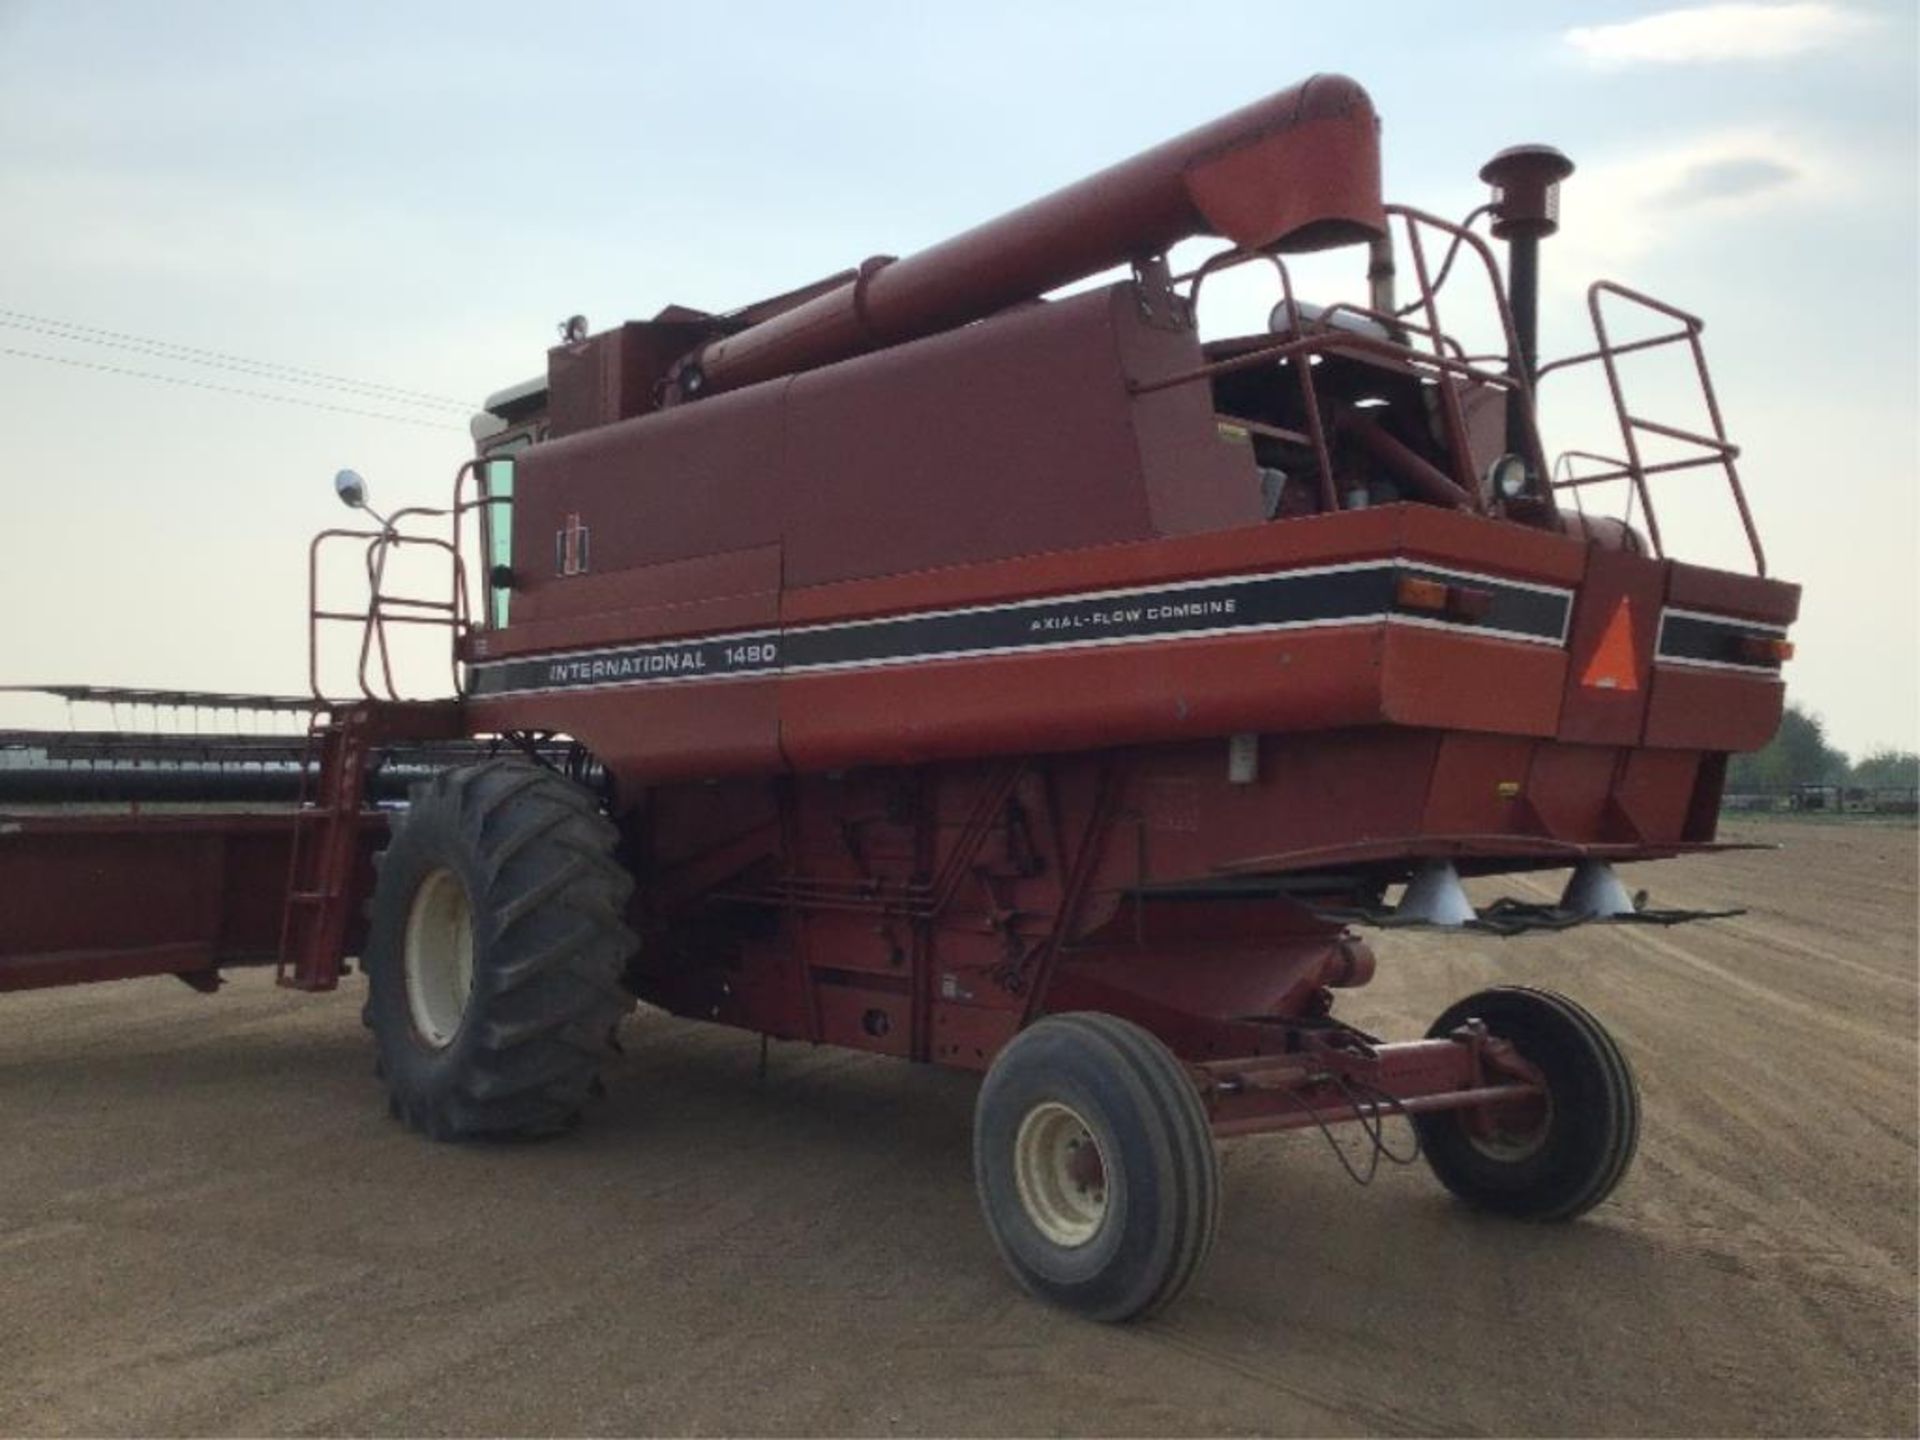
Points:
(930, 663)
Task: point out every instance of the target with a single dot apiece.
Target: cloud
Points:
(1617, 210)
(1705, 34)
(1734, 178)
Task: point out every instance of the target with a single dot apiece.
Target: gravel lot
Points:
(208, 1224)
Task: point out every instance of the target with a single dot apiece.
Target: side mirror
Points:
(352, 491)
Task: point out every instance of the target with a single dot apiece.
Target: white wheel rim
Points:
(439, 957)
(1510, 1147)
(1061, 1173)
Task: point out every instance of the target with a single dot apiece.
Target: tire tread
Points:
(1618, 1104)
(1168, 1105)
(544, 1005)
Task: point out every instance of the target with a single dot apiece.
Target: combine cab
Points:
(923, 665)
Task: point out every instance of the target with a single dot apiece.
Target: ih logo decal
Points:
(570, 547)
(1613, 666)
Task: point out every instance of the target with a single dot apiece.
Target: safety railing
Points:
(1422, 344)
(328, 813)
(373, 674)
(451, 609)
(1703, 450)
(327, 818)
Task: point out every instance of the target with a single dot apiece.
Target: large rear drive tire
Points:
(495, 952)
(1551, 1161)
(1096, 1166)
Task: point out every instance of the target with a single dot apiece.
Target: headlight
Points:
(1507, 477)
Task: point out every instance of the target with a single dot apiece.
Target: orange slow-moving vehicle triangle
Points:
(1613, 666)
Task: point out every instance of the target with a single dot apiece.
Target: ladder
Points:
(325, 848)
(326, 864)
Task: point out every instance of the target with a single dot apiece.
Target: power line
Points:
(217, 359)
(227, 389)
(220, 360)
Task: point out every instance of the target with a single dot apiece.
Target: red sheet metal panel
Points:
(735, 590)
(886, 471)
(1312, 791)
(1722, 592)
(1459, 680)
(1417, 531)
(971, 661)
(1713, 709)
(1610, 665)
(1655, 789)
(1477, 785)
(650, 734)
(1195, 484)
(667, 489)
(109, 896)
(1081, 699)
(1568, 787)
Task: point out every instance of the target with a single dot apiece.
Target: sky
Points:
(409, 197)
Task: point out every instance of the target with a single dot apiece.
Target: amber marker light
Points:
(1415, 593)
(1461, 602)
(1763, 649)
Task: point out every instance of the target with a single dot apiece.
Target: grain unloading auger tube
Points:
(1297, 171)
(924, 662)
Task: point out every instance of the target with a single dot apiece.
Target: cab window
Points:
(496, 522)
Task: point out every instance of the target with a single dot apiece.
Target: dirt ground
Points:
(208, 1223)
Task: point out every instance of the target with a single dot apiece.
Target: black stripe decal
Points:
(1348, 595)
(1713, 640)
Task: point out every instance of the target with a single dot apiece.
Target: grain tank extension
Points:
(930, 663)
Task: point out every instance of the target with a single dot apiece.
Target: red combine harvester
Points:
(920, 664)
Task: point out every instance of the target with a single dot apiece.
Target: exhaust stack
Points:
(1526, 209)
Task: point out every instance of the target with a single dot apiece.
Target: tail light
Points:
(1437, 597)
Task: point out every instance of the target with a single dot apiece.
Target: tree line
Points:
(1801, 754)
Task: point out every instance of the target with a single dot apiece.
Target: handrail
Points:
(1439, 356)
(1522, 393)
(383, 608)
(1576, 483)
(1319, 341)
(1231, 259)
(1716, 447)
(1585, 357)
(374, 675)
(1452, 416)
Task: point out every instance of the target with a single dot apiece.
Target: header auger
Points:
(929, 664)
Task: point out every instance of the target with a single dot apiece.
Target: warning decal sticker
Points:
(1614, 666)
